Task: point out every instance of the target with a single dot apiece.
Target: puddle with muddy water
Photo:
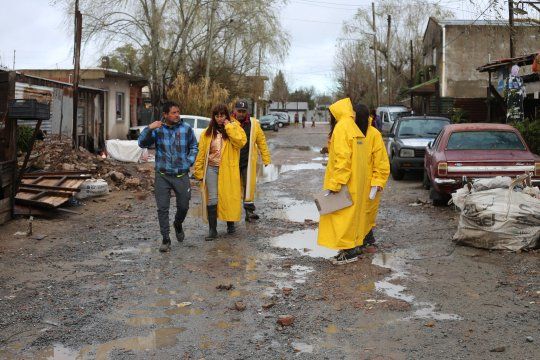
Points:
(305, 241)
(271, 172)
(296, 210)
(157, 339)
(396, 263)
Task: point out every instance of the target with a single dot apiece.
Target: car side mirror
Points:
(391, 135)
(430, 144)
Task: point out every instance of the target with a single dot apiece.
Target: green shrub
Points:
(24, 136)
(530, 130)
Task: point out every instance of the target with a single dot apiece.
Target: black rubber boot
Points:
(212, 222)
(230, 227)
(179, 231)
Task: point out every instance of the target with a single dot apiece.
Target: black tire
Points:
(437, 198)
(397, 173)
(426, 183)
(276, 128)
(280, 124)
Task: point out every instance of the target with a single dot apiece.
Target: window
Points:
(485, 140)
(202, 123)
(189, 121)
(385, 117)
(434, 56)
(428, 128)
(119, 106)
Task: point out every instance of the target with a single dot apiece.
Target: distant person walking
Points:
(304, 119)
(312, 121)
(217, 167)
(296, 120)
(176, 149)
(249, 155)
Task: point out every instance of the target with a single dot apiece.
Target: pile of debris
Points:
(55, 154)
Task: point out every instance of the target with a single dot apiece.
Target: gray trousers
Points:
(212, 173)
(162, 190)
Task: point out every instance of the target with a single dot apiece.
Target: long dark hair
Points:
(214, 127)
(362, 118)
(333, 123)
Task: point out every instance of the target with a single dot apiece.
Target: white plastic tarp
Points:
(124, 150)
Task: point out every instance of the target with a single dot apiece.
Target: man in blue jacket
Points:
(176, 149)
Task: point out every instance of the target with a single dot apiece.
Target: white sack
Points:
(91, 188)
(124, 150)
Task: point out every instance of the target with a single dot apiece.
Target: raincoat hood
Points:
(342, 109)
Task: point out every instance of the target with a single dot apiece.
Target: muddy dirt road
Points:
(95, 287)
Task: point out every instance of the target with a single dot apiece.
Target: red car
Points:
(470, 151)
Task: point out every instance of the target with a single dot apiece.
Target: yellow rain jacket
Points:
(229, 206)
(257, 144)
(377, 172)
(348, 158)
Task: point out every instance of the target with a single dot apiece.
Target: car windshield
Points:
(425, 128)
(396, 115)
(267, 118)
(189, 121)
(485, 140)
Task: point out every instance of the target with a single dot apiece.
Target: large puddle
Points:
(422, 310)
(271, 172)
(297, 211)
(305, 241)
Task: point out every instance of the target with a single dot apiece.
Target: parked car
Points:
(283, 118)
(407, 142)
(389, 114)
(464, 152)
(269, 122)
(197, 123)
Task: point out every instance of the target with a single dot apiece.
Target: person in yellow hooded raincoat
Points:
(217, 166)
(249, 155)
(378, 169)
(348, 156)
(357, 158)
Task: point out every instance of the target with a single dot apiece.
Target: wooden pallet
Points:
(49, 190)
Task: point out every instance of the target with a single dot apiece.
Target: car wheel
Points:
(397, 173)
(437, 198)
(426, 184)
(280, 124)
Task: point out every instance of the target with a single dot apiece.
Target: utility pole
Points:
(76, 59)
(388, 59)
(209, 48)
(511, 24)
(375, 54)
(412, 71)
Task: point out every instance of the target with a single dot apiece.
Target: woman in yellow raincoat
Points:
(348, 157)
(377, 171)
(217, 166)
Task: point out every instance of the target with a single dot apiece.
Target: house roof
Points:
(472, 22)
(292, 106)
(61, 83)
(91, 73)
(501, 63)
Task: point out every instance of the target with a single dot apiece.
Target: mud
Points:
(95, 287)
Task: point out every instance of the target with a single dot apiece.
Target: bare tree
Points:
(280, 90)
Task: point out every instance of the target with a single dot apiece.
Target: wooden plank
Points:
(47, 187)
(59, 173)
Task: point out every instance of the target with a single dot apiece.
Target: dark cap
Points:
(241, 105)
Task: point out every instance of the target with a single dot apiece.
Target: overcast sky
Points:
(36, 30)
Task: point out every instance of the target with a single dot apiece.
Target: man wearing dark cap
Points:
(256, 142)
